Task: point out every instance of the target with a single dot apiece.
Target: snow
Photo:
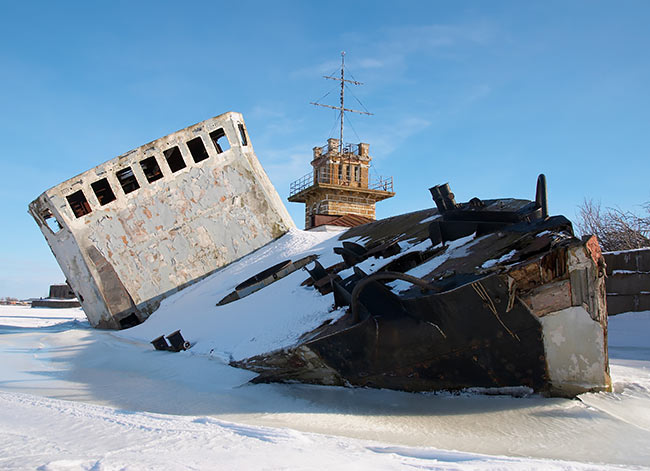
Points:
(618, 252)
(271, 318)
(457, 248)
(60, 435)
(502, 259)
(72, 397)
(430, 218)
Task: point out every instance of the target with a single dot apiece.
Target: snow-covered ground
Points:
(72, 397)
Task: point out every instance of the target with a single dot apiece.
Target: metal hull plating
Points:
(517, 300)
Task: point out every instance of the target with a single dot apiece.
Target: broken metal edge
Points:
(570, 313)
(268, 276)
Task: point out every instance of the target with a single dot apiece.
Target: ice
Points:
(144, 407)
(72, 397)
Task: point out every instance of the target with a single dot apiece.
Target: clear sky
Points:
(484, 95)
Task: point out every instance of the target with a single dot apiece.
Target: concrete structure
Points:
(339, 185)
(61, 296)
(135, 229)
(628, 280)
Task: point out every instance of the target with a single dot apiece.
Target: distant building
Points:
(339, 190)
(138, 228)
(61, 296)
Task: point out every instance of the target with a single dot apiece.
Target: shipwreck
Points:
(490, 293)
(487, 293)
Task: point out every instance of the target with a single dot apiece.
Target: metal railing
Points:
(376, 183)
(347, 149)
(381, 183)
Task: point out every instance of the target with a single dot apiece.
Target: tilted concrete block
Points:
(139, 227)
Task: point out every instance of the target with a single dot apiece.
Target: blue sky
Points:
(484, 95)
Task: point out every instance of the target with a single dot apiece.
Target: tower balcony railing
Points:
(347, 149)
(378, 183)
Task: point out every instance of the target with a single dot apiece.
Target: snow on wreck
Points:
(488, 293)
(136, 229)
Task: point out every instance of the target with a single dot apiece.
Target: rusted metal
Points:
(265, 278)
(513, 305)
(322, 278)
(176, 342)
(159, 343)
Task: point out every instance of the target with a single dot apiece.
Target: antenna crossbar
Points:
(341, 109)
(354, 82)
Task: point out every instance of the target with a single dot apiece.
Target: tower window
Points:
(174, 159)
(220, 140)
(78, 203)
(151, 169)
(347, 172)
(197, 149)
(357, 173)
(242, 132)
(103, 191)
(127, 180)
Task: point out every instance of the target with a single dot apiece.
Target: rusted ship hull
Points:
(499, 300)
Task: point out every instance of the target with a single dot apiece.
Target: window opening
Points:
(151, 169)
(340, 166)
(197, 149)
(347, 172)
(103, 191)
(127, 180)
(242, 131)
(220, 140)
(129, 321)
(78, 203)
(174, 159)
(52, 222)
(357, 173)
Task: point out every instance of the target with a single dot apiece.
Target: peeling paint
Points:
(166, 233)
(575, 351)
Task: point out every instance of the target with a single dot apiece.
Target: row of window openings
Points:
(102, 189)
(357, 172)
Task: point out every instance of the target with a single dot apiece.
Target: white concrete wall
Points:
(576, 353)
(575, 336)
(127, 255)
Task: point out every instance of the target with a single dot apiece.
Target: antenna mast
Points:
(342, 107)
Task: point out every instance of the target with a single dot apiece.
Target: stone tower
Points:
(339, 191)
